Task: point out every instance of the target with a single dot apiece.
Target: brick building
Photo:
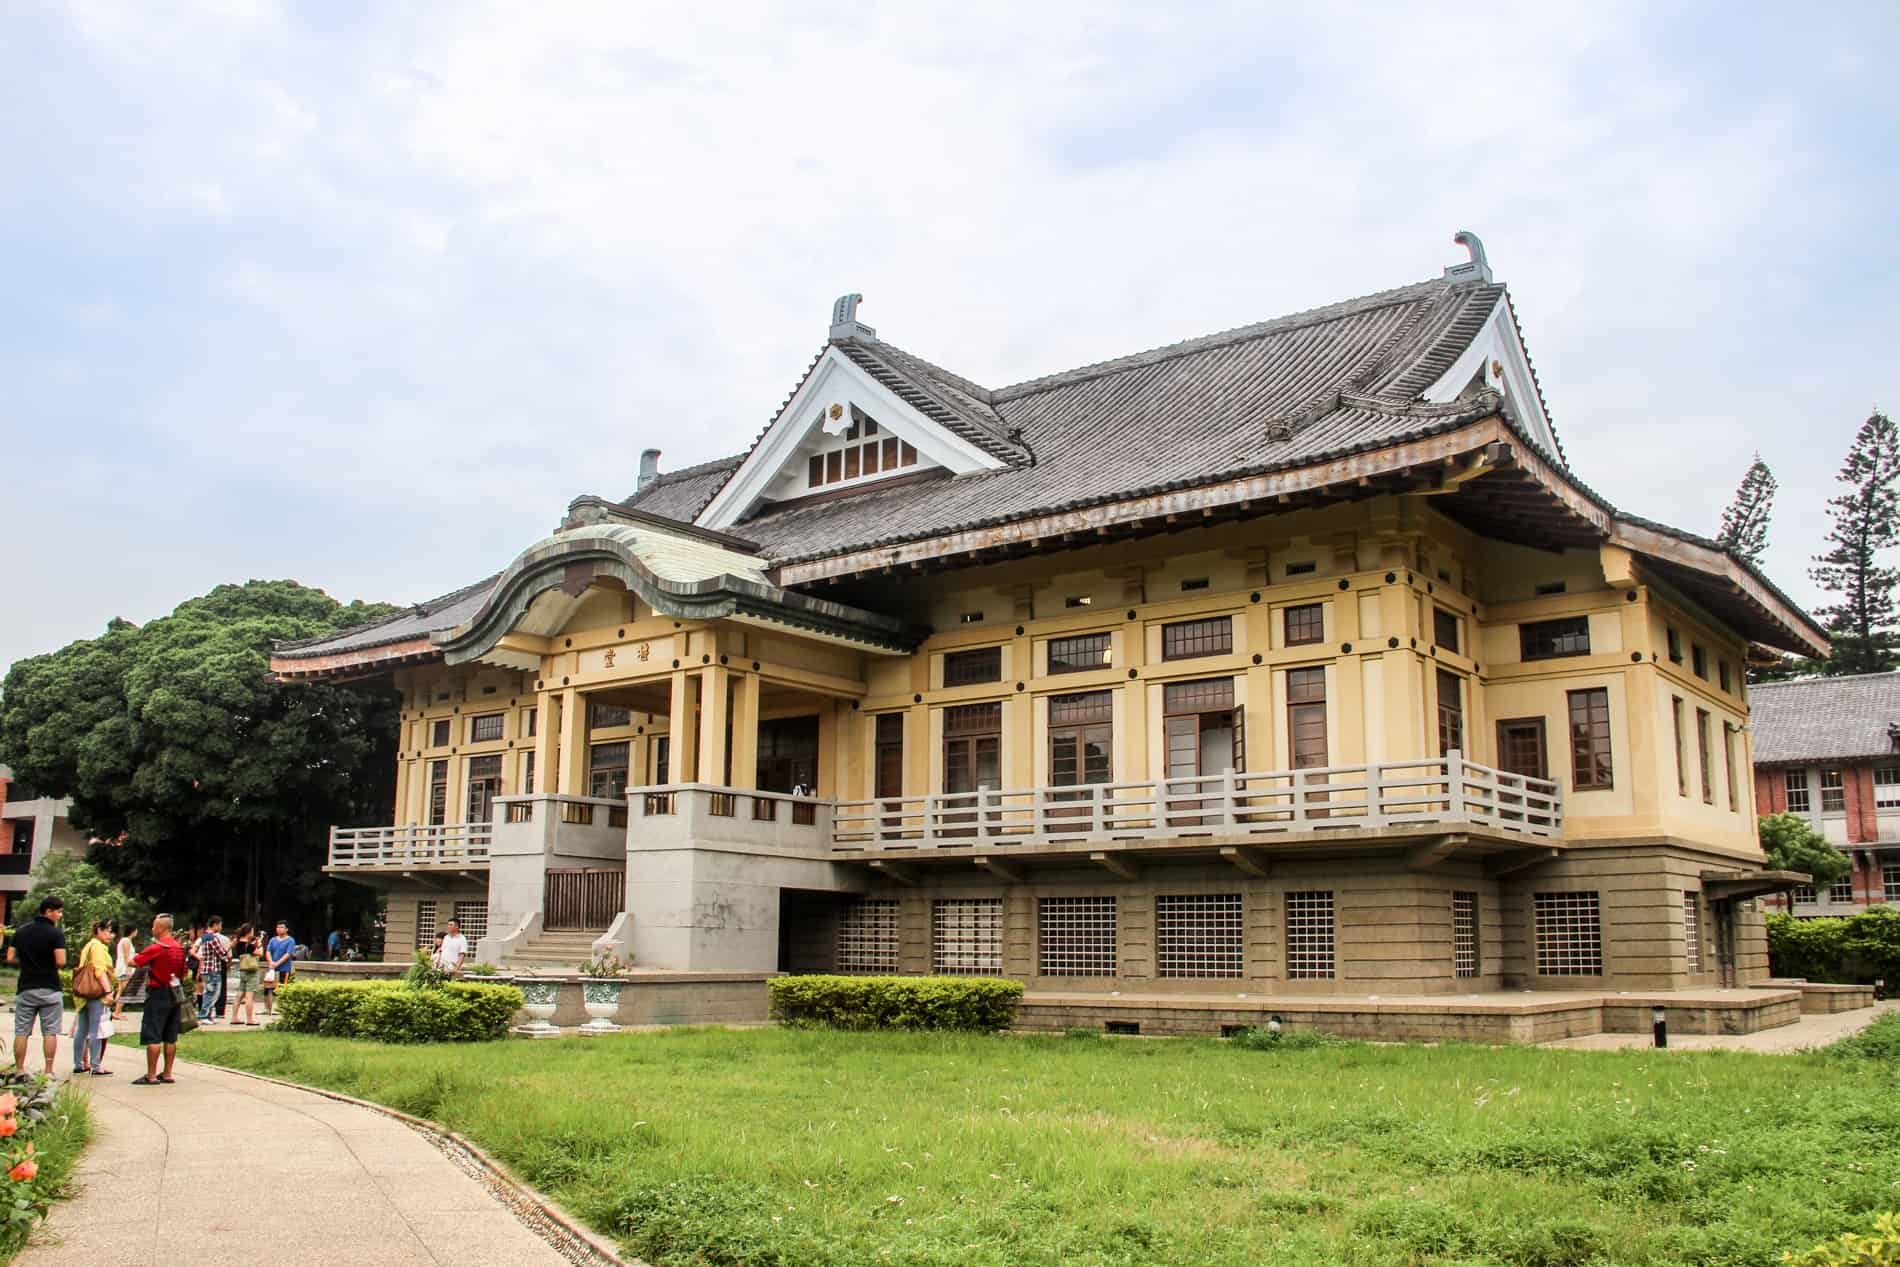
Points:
(1829, 750)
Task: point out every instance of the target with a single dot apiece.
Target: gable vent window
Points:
(1079, 600)
(962, 668)
(1194, 583)
(859, 460)
(1550, 587)
(1302, 569)
(970, 618)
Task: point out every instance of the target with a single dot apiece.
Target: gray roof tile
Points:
(1824, 718)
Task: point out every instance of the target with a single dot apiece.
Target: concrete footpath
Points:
(220, 1168)
(1808, 1032)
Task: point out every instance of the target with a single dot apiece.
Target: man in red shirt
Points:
(164, 962)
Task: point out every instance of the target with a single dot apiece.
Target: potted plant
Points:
(602, 979)
(538, 997)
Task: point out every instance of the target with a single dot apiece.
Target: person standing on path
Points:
(281, 953)
(164, 959)
(214, 956)
(89, 1046)
(453, 951)
(123, 971)
(40, 951)
(249, 969)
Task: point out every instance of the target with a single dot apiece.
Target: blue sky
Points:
(363, 294)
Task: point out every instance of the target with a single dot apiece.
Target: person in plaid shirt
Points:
(214, 956)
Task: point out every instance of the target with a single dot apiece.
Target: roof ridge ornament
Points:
(1477, 268)
(844, 319)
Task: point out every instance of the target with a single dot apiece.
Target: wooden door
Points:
(1522, 750)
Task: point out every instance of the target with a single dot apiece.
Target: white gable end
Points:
(1499, 355)
(833, 396)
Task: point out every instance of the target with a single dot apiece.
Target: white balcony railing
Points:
(1446, 792)
(441, 845)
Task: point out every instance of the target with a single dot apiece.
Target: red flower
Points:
(8, 1125)
(24, 1171)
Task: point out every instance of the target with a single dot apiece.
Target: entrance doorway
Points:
(788, 753)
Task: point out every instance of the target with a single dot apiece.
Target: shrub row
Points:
(1858, 948)
(389, 1012)
(979, 1003)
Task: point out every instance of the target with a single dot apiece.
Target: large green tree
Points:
(209, 786)
(1866, 523)
(1745, 523)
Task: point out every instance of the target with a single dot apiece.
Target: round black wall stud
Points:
(855, 706)
(1346, 647)
(1428, 587)
(705, 659)
(1019, 686)
(722, 659)
(755, 666)
(639, 730)
(1131, 673)
(676, 664)
(537, 684)
(1131, 614)
(568, 643)
(1433, 650)
(1019, 631)
(1256, 657)
(1344, 583)
(676, 624)
(1636, 657)
(1414, 644)
(1254, 597)
(1630, 597)
(1391, 642)
(1391, 577)
(563, 681)
(916, 699)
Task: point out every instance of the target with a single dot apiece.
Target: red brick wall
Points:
(1857, 782)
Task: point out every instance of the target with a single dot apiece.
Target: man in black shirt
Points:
(40, 950)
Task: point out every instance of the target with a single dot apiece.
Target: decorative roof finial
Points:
(844, 319)
(1478, 268)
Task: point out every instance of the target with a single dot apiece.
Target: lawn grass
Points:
(805, 1148)
(57, 1144)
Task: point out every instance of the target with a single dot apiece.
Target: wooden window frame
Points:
(1596, 727)
(973, 666)
(595, 769)
(1702, 720)
(1507, 724)
(1196, 639)
(1531, 632)
(478, 798)
(1451, 718)
(1062, 657)
(441, 732)
(1676, 708)
(887, 755)
(1080, 720)
(481, 721)
(967, 729)
(1445, 621)
(1310, 621)
(1306, 707)
(436, 805)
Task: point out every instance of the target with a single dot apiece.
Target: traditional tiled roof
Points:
(420, 621)
(680, 494)
(1824, 718)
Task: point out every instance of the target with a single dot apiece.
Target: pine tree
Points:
(1745, 523)
(1866, 522)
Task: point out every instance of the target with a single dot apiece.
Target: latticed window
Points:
(1081, 738)
(473, 919)
(1190, 638)
(1887, 787)
(1309, 935)
(867, 936)
(1305, 624)
(1076, 936)
(888, 770)
(1590, 765)
(1551, 639)
(1890, 883)
(1702, 751)
(1796, 783)
(484, 728)
(1833, 792)
(972, 747)
(1692, 931)
(963, 668)
(607, 769)
(1199, 935)
(1841, 891)
(607, 716)
(438, 793)
(1464, 934)
(1802, 894)
(439, 733)
(1444, 629)
(1306, 717)
(425, 924)
(1081, 652)
(967, 936)
(1569, 930)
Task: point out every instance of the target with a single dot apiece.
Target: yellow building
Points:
(1288, 660)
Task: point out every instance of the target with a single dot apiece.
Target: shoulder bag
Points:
(91, 982)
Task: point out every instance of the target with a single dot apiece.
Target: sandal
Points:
(101, 1073)
(166, 1078)
(143, 1081)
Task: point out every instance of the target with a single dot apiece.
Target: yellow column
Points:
(683, 726)
(745, 729)
(402, 786)
(547, 738)
(714, 705)
(573, 772)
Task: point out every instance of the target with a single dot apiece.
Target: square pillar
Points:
(547, 739)
(683, 725)
(745, 729)
(714, 712)
(573, 762)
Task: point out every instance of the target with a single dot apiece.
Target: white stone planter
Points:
(538, 998)
(601, 997)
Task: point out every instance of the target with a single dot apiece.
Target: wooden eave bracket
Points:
(1246, 859)
(896, 871)
(1116, 865)
(1433, 852)
(1007, 871)
(1510, 863)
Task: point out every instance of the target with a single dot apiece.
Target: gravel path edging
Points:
(540, 1215)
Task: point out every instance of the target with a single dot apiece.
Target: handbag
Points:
(247, 963)
(90, 982)
(187, 1014)
(105, 1028)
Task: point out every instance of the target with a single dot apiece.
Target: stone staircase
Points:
(559, 952)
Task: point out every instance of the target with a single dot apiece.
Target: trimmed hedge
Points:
(1856, 949)
(389, 1012)
(979, 1003)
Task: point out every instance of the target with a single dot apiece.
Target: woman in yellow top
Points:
(89, 1045)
